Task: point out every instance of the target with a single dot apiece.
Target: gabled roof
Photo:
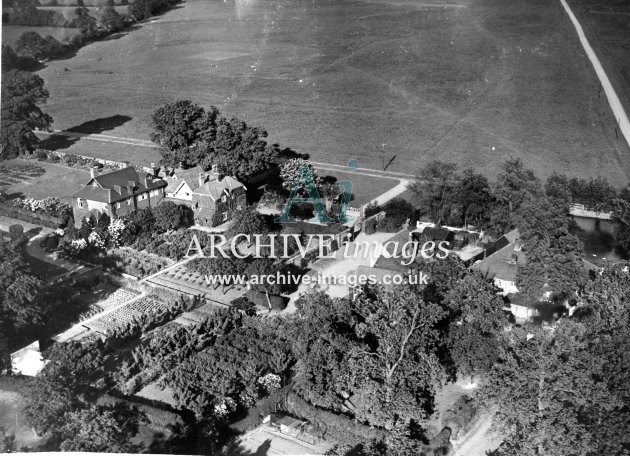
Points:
(113, 186)
(215, 188)
(503, 263)
(175, 178)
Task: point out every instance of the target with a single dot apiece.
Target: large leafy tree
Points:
(621, 214)
(191, 136)
(238, 149)
(513, 186)
(248, 221)
(551, 394)
(290, 173)
(102, 428)
(32, 44)
(379, 350)
(19, 306)
(170, 216)
(179, 125)
(111, 20)
(436, 190)
(474, 198)
(553, 253)
(22, 92)
(476, 321)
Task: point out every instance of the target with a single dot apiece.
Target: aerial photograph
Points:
(315, 227)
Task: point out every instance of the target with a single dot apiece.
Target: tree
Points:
(12, 61)
(179, 125)
(237, 149)
(513, 186)
(621, 214)
(553, 254)
(16, 232)
(473, 198)
(21, 94)
(557, 186)
(379, 349)
(102, 428)
(551, 394)
(435, 189)
(59, 387)
(111, 20)
(86, 23)
(397, 211)
(248, 221)
(169, 216)
(32, 44)
(291, 170)
(19, 305)
(477, 319)
(140, 9)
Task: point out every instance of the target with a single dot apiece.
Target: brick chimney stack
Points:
(93, 172)
(202, 179)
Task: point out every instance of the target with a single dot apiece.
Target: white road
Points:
(613, 100)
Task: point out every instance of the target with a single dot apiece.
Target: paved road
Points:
(613, 99)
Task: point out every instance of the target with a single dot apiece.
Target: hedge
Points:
(31, 217)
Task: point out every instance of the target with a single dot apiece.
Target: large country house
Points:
(117, 193)
(213, 198)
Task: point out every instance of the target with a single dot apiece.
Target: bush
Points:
(41, 155)
(244, 304)
(370, 226)
(16, 231)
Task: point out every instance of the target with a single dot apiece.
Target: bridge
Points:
(579, 210)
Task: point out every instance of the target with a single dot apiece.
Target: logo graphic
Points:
(305, 183)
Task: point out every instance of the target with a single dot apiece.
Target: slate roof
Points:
(103, 188)
(176, 177)
(215, 187)
(504, 262)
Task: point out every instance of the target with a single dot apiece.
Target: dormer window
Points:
(80, 203)
(224, 198)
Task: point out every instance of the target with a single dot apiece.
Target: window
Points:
(118, 205)
(80, 203)
(224, 216)
(224, 198)
(238, 207)
(129, 202)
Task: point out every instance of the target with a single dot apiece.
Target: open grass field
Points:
(362, 79)
(11, 33)
(25, 178)
(607, 25)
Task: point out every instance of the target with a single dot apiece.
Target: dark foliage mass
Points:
(191, 135)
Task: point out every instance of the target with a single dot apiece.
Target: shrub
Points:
(41, 155)
(370, 226)
(244, 304)
(16, 231)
